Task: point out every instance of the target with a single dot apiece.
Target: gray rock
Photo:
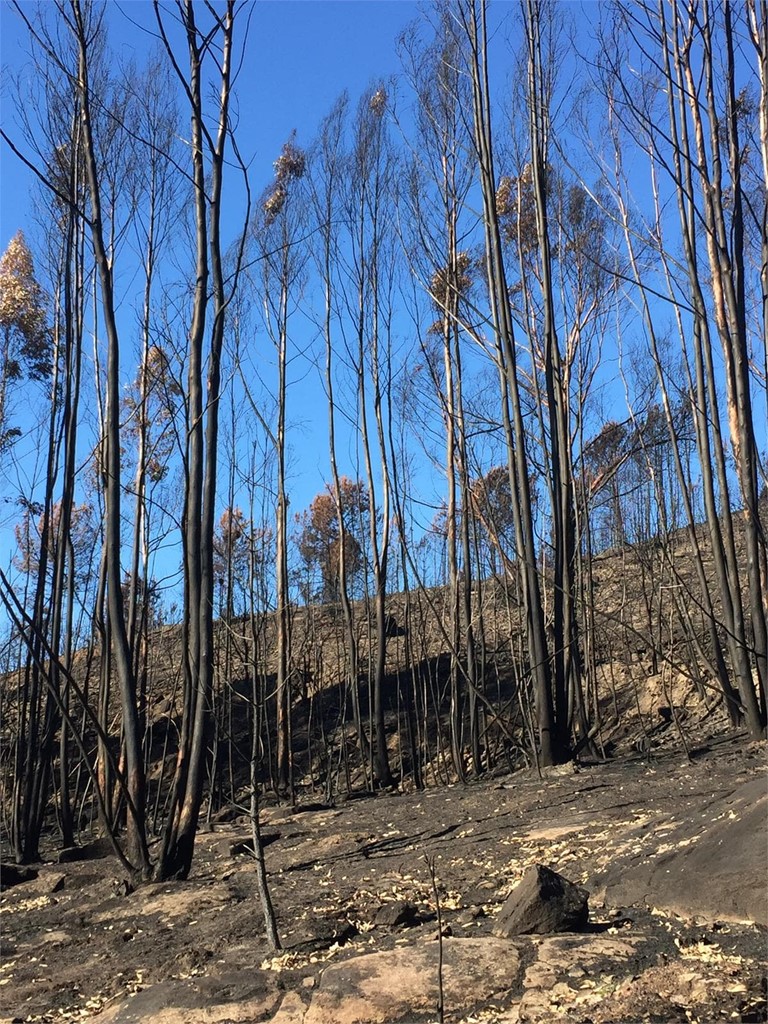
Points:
(230, 847)
(243, 845)
(543, 903)
(395, 913)
(225, 814)
(320, 931)
(471, 916)
(483, 892)
(14, 874)
(241, 996)
(715, 863)
(96, 849)
(70, 854)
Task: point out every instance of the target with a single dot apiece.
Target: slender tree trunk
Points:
(136, 782)
(203, 400)
(512, 410)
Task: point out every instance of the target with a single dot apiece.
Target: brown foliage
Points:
(320, 535)
(23, 308)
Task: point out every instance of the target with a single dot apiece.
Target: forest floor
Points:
(673, 850)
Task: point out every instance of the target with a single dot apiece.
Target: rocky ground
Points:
(673, 851)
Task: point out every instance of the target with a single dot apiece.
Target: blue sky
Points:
(300, 57)
(303, 53)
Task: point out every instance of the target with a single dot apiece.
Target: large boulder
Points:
(713, 864)
(240, 996)
(543, 903)
(402, 983)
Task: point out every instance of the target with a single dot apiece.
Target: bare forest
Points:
(521, 292)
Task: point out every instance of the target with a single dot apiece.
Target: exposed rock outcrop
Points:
(543, 903)
(714, 863)
(389, 986)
